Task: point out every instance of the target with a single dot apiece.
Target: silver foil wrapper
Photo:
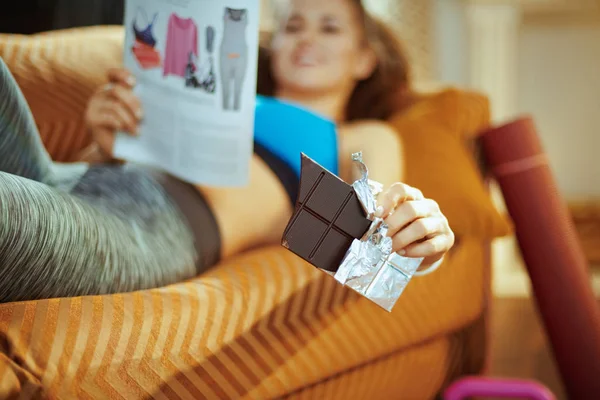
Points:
(370, 267)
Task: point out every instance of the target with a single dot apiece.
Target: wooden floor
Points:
(519, 345)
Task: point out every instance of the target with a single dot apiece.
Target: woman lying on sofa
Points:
(95, 228)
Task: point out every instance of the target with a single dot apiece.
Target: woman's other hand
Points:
(113, 108)
(416, 224)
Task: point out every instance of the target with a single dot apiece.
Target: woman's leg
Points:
(59, 244)
(114, 229)
(21, 149)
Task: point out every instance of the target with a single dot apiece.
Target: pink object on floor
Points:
(498, 387)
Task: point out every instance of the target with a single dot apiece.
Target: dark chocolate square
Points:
(310, 173)
(328, 196)
(332, 250)
(296, 236)
(346, 222)
(327, 218)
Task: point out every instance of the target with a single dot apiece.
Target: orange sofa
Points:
(263, 324)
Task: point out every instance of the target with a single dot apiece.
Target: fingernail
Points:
(402, 252)
(379, 211)
(139, 113)
(130, 80)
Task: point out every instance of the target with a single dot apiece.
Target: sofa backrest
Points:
(59, 71)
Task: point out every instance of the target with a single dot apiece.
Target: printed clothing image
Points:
(199, 78)
(190, 71)
(182, 132)
(143, 48)
(210, 39)
(146, 56)
(182, 39)
(145, 35)
(233, 57)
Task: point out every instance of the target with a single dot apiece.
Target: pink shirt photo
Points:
(182, 38)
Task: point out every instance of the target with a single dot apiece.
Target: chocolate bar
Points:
(328, 216)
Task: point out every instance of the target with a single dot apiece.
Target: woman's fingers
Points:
(126, 98)
(127, 121)
(105, 118)
(416, 225)
(395, 194)
(421, 229)
(105, 139)
(121, 76)
(408, 211)
(110, 120)
(115, 118)
(436, 245)
(115, 103)
(113, 108)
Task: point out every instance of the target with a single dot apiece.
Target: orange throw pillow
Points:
(435, 133)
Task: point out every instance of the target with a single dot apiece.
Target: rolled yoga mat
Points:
(552, 253)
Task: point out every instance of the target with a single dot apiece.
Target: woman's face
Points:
(320, 47)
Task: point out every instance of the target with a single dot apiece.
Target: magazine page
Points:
(195, 64)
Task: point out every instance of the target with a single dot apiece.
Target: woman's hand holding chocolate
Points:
(416, 224)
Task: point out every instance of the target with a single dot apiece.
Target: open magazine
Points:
(195, 64)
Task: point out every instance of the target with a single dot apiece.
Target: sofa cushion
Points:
(244, 329)
(58, 72)
(437, 134)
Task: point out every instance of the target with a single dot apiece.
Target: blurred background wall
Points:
(543, 59)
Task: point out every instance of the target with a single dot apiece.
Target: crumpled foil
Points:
(370, 267)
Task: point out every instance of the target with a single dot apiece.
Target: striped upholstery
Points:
(382, 378)
(261, 325)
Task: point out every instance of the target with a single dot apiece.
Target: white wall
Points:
(556, 80)
(450, 33)
(559, 84)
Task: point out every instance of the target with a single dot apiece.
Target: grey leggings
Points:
(73, 229)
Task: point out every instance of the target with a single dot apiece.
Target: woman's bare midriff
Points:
(257, 213)
(252, 215)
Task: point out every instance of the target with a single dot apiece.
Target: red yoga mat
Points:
(552, 253)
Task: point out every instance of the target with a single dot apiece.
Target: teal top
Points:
(286, 130)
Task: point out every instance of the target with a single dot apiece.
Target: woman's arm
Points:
(381, 148)
(416, 224)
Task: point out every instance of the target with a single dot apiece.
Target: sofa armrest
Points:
(58, 72)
